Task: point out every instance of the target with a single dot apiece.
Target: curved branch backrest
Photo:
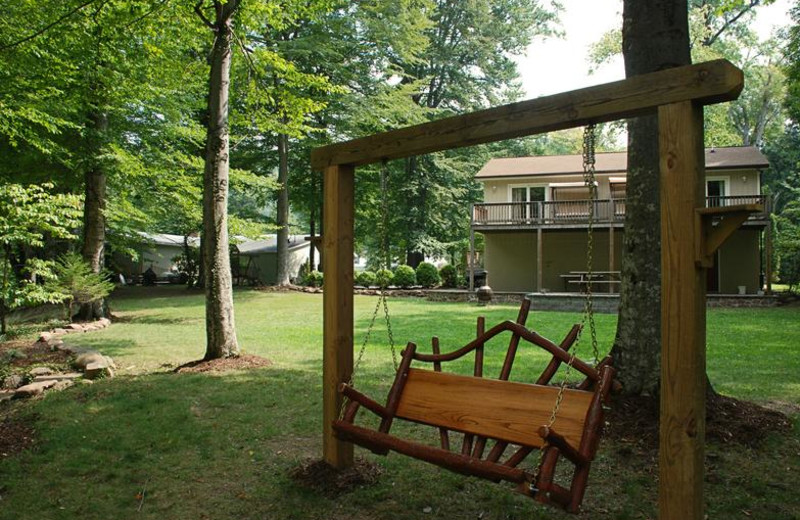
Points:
(523, 333)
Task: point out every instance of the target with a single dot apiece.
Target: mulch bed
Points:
(326, 480)
(634, 419)
(243, 362)
(35, 354)
(16, 434)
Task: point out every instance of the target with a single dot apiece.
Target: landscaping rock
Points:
(61, 385)
(98, 369)
(58, 377)
(105, 322)
(59, 331)
(55, 344)
(6, 395)
(45, 337)
(87, 357)
(13, 382)
(40, 371)
(76, 327)
(33, 389)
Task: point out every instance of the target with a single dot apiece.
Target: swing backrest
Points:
(504, 410)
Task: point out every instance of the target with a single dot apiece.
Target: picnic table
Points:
(584, 279)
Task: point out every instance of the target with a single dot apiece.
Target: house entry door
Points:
(715, 191)
(527, 201)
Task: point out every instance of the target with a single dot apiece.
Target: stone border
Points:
(89, 364)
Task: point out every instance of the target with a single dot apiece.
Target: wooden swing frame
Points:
(688, 235)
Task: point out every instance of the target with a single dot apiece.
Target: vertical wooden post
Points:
(539, 259)
(683, 314)
(768, 253)
(337, 259)
(471, 259)
(611, 259)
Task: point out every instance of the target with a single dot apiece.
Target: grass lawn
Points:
(221, 446)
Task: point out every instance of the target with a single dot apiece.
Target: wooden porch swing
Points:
(509, 413)
(689, 233)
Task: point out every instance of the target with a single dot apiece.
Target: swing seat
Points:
(482, 409)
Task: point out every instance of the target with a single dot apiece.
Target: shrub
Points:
(365, 278)
(449, 276)
(314, 279)
(384, 277)
(404, 276)
(427, 275)
(75, 281)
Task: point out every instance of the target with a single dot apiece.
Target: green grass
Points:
(221, 446)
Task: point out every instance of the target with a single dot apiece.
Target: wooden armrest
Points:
(554, 439)
(356, 396)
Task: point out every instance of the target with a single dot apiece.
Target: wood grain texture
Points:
(337, 303)
(504, 410)
(706, 83)
(683, 315)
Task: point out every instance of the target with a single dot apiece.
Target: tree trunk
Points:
(94, 212)
(283, 273)
(655, 36)
(220, 327)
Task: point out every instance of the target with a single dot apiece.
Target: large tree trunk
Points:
(94, 212)
(220, 327)
(655, 36)
(283, 273)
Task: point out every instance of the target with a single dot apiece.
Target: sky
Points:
(556, 65)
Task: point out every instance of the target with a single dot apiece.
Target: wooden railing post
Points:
(683, 314)
(337, 305)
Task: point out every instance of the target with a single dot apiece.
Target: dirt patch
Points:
(16, 434)
(634, 419)
(323, 478)
(38, 353)
(243, 362)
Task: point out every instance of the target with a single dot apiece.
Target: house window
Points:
(571, 201)
(618, 198)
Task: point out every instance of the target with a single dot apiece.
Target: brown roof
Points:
(732, 158)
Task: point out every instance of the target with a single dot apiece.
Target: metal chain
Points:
(382, 297)
(589, 143)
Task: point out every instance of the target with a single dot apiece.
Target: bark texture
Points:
(283, 274)
(220, 326)
(94, 212)
(655, 36)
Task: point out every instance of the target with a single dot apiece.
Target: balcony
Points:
(575, 213)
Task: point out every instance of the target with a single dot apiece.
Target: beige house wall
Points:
(499, 190)
(510, 258)
(740, 262)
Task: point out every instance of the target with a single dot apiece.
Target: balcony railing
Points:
(576, 212)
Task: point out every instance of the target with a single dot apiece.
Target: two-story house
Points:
(534, 220)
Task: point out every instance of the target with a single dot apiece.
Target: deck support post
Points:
(611, 260)
(337, 259)
(539, 259)
(683, 314)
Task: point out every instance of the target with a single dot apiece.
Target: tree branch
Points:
(198, 8)
(46, 27)
(728, 23)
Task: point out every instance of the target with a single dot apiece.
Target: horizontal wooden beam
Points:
(704, 83)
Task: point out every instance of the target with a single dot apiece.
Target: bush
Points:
(449, 276)
(384, 277)
(404, 276)
(76, 282)
(314, 279)
(365, 278)
(427, 275)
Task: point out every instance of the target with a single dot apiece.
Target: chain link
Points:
(589, 145)
(382, 297)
